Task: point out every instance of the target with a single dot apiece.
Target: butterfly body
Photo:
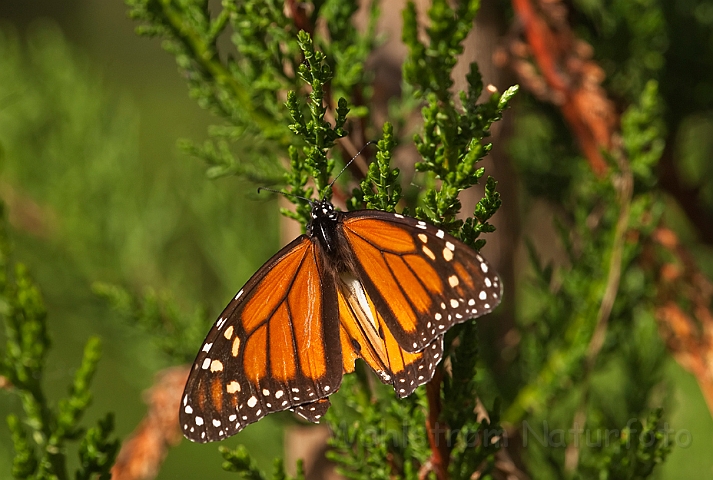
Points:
(367, 285)
(325, 229)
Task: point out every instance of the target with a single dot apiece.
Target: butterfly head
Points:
(323, 209)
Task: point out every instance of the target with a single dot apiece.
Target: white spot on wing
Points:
(228, 334)
(252, 401)
(216, 366)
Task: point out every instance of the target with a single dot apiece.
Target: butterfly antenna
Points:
(350, 161)
(287, 194)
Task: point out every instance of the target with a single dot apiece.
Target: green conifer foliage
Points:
(576, 387)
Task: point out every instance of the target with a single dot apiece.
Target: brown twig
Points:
(298, 12)
(27, 214)
(143, 453)
(436, 431)
(687, 196)
(505, 466)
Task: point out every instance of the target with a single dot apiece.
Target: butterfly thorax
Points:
(326, 229)
(323, 225)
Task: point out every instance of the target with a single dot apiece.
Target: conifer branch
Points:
(41, 437)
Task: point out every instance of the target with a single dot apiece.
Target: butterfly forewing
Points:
(421, 279)
(270, 350)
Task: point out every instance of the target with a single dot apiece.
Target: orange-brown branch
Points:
(688, 334)
(573, 79)
(143, 453)
(436, 430)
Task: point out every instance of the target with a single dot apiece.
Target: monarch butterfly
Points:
(365, 284)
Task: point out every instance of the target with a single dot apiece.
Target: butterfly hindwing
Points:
(313, 411)
(270, 350)
(414, 369)
(420, 279)
(364, 334)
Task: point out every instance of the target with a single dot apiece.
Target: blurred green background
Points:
(97, 191)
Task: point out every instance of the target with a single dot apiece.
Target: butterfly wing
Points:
(270, 349)
(313, 411)
(364, 334)
(420, 279)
